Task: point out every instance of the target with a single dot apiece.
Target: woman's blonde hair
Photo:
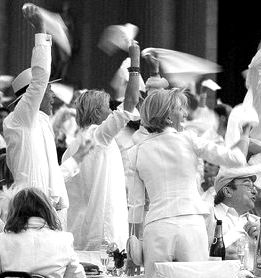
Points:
(90, 107)
(158, 108)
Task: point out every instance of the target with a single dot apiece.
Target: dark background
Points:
(227, 32)
(239, 33)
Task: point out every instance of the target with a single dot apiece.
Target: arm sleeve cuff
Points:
(43, 39)
(132, 116)
(69, 168)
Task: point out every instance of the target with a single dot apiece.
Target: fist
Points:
(252, 229)
(134, 53)
(152, 61)
(33, 15)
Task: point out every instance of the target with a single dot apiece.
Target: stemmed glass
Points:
(240, 248)
(104, 257)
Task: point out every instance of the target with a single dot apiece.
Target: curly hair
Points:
(30, 202)
(91, 106)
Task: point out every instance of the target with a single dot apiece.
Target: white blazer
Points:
(40, 250)
(166, 164)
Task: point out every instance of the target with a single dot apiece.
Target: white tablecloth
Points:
(206, 269)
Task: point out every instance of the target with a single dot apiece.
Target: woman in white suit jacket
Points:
(165, 163)
(32, 240)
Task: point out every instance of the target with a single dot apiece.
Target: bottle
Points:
(257, 261)
(217, 248)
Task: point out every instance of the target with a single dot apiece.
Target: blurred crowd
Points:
(157, 162)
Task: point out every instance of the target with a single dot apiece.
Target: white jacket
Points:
(40, 250)
(166, 164)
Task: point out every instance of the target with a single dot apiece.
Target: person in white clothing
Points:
(165, 163)
(235, 197)
(98, 210)
(32, 240)
(31, 152)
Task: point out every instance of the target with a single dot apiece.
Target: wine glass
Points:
(240, 248)
(104, 257)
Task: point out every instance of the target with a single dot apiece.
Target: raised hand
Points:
(33, 15)
(134, 53)
(86, 145)
(153, 63)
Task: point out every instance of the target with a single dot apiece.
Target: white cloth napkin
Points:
(239, 116)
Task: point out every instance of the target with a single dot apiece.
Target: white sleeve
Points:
(74, 269)
(136, 190)
(29, 104)
(216, 154)
(69, 168)
(109, 128)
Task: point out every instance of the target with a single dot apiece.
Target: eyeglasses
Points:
(248, 184)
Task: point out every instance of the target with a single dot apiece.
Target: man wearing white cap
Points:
(236, 195)
(31, 151)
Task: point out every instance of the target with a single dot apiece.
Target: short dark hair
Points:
(30, 202)
(220, 196)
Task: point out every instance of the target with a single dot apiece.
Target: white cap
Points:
(209, 83)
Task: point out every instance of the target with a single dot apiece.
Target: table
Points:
(94, 258)
(204, 269)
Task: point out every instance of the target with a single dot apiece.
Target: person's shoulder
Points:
(65, 235)
(8, 118)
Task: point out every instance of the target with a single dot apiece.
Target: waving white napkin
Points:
(240, 115)
(117, 37)
(180, 68)
(121, 78)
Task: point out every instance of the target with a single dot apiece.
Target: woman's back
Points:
(40, 250)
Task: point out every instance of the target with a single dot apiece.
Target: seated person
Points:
(33, 241)
(235, 197)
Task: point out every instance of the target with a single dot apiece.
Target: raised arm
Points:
(29, 105)
(132, 91)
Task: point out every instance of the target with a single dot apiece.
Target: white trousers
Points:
(182, 238)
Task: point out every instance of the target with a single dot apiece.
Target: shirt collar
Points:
(170, 130)
(229, 210)
(36, 223)
(44, 115)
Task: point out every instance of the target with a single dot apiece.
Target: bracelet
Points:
(154, 73)
(134, 69)
(134, 73)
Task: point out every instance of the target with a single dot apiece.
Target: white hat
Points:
(226, 175)
(21, 81)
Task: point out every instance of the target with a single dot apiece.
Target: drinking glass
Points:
(104, 257)
(241, 248)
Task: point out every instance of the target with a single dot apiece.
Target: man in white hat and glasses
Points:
(235, 197)
(31, 151)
